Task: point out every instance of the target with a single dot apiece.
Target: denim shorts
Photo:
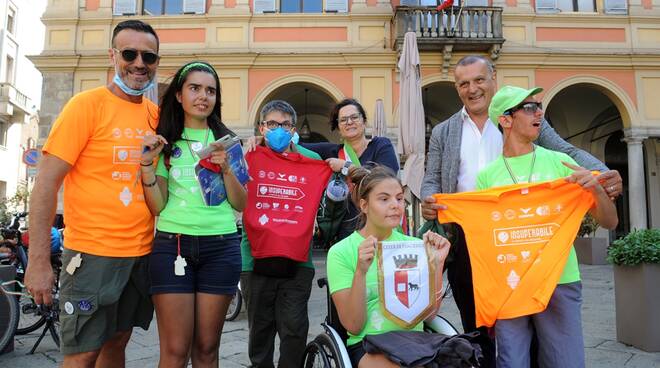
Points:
(213, 264)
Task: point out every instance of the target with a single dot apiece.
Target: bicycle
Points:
(235, 305)
(49, 313)
(8, 303)
(31, 315)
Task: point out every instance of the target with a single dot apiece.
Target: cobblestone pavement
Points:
(602, 349)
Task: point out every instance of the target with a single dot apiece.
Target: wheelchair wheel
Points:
(235, 306)
(9, 315)
(323, 352)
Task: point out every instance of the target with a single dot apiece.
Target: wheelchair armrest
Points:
(440, 325)
(322, 282)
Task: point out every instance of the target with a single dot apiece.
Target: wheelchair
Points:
(328, 349)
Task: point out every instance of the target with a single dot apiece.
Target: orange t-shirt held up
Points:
(518, 237)
(100, 135)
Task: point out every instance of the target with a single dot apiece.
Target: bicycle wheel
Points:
(29, 319)
(235, 306)
(9, 314)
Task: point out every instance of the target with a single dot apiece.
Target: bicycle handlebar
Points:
(18, 293)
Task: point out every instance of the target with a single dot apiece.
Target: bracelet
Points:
(150, 184)
(149, 164)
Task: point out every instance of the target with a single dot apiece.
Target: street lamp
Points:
(305, 132)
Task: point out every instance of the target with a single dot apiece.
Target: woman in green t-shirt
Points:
(195, 262)
(352, 272)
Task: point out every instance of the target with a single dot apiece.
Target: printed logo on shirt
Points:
(279, 192)
(122, 175)
(126, 196)
(530, 234)
(126, 155)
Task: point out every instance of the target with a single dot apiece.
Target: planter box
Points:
(637, 295)
(591, 251)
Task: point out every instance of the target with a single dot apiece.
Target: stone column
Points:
(636, 182)
(56, 91)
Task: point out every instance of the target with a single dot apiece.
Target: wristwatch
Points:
(344, 169)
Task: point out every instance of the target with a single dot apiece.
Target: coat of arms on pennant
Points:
(406, 280)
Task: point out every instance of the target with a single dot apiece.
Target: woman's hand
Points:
(251, 143)
(219, 157)
(335, 163)
(366, 254)
(438, 246)
(152, 145)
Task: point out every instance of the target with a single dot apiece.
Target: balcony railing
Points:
(472, 28)
(9, 94)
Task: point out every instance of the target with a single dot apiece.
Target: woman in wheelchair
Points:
(352, 271)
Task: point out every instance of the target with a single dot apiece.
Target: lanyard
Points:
(531, 169)
(206, 142)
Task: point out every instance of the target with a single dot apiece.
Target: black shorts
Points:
(213, 264)
(355, 353)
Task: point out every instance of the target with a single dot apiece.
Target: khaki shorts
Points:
(104, 295)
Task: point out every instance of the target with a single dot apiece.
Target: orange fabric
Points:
(100, 134)
(517, 231)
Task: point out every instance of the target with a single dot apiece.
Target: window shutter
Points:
(616, 6)
(125, 7)
(264, 6)
(339, 6)
(547, 5)
(410, 2)
(194, 6)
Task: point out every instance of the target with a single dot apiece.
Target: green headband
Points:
(187, 68)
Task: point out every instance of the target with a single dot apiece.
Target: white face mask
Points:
(130, 91)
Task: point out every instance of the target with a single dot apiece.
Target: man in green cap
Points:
(559, 327)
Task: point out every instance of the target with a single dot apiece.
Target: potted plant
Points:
(636, 259)
(589, 249)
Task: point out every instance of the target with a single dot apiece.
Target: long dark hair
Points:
(170, 121)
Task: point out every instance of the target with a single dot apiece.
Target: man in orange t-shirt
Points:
(94, 147)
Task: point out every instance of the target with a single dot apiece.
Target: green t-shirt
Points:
(342, 263)
(547, 166)
(248, 261)
(185, 211)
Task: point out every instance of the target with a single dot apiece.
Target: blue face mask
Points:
(278, 139)
(130, 91)
(296, 138)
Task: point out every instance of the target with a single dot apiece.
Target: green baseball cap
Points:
(508, 97)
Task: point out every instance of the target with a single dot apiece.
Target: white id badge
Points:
(180, 266)
(74, 263)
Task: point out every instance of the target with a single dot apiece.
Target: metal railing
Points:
(469, 25)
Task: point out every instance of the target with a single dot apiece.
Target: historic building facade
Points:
(598, 61)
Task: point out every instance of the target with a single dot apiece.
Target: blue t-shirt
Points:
(55, 241)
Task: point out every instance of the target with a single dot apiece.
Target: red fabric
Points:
(283, 197)
(207, 164)
(445, 4)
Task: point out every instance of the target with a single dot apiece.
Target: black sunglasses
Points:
(130, 55)
(527, 107)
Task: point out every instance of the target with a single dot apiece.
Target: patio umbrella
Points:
(380, 125)
(411, 138)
